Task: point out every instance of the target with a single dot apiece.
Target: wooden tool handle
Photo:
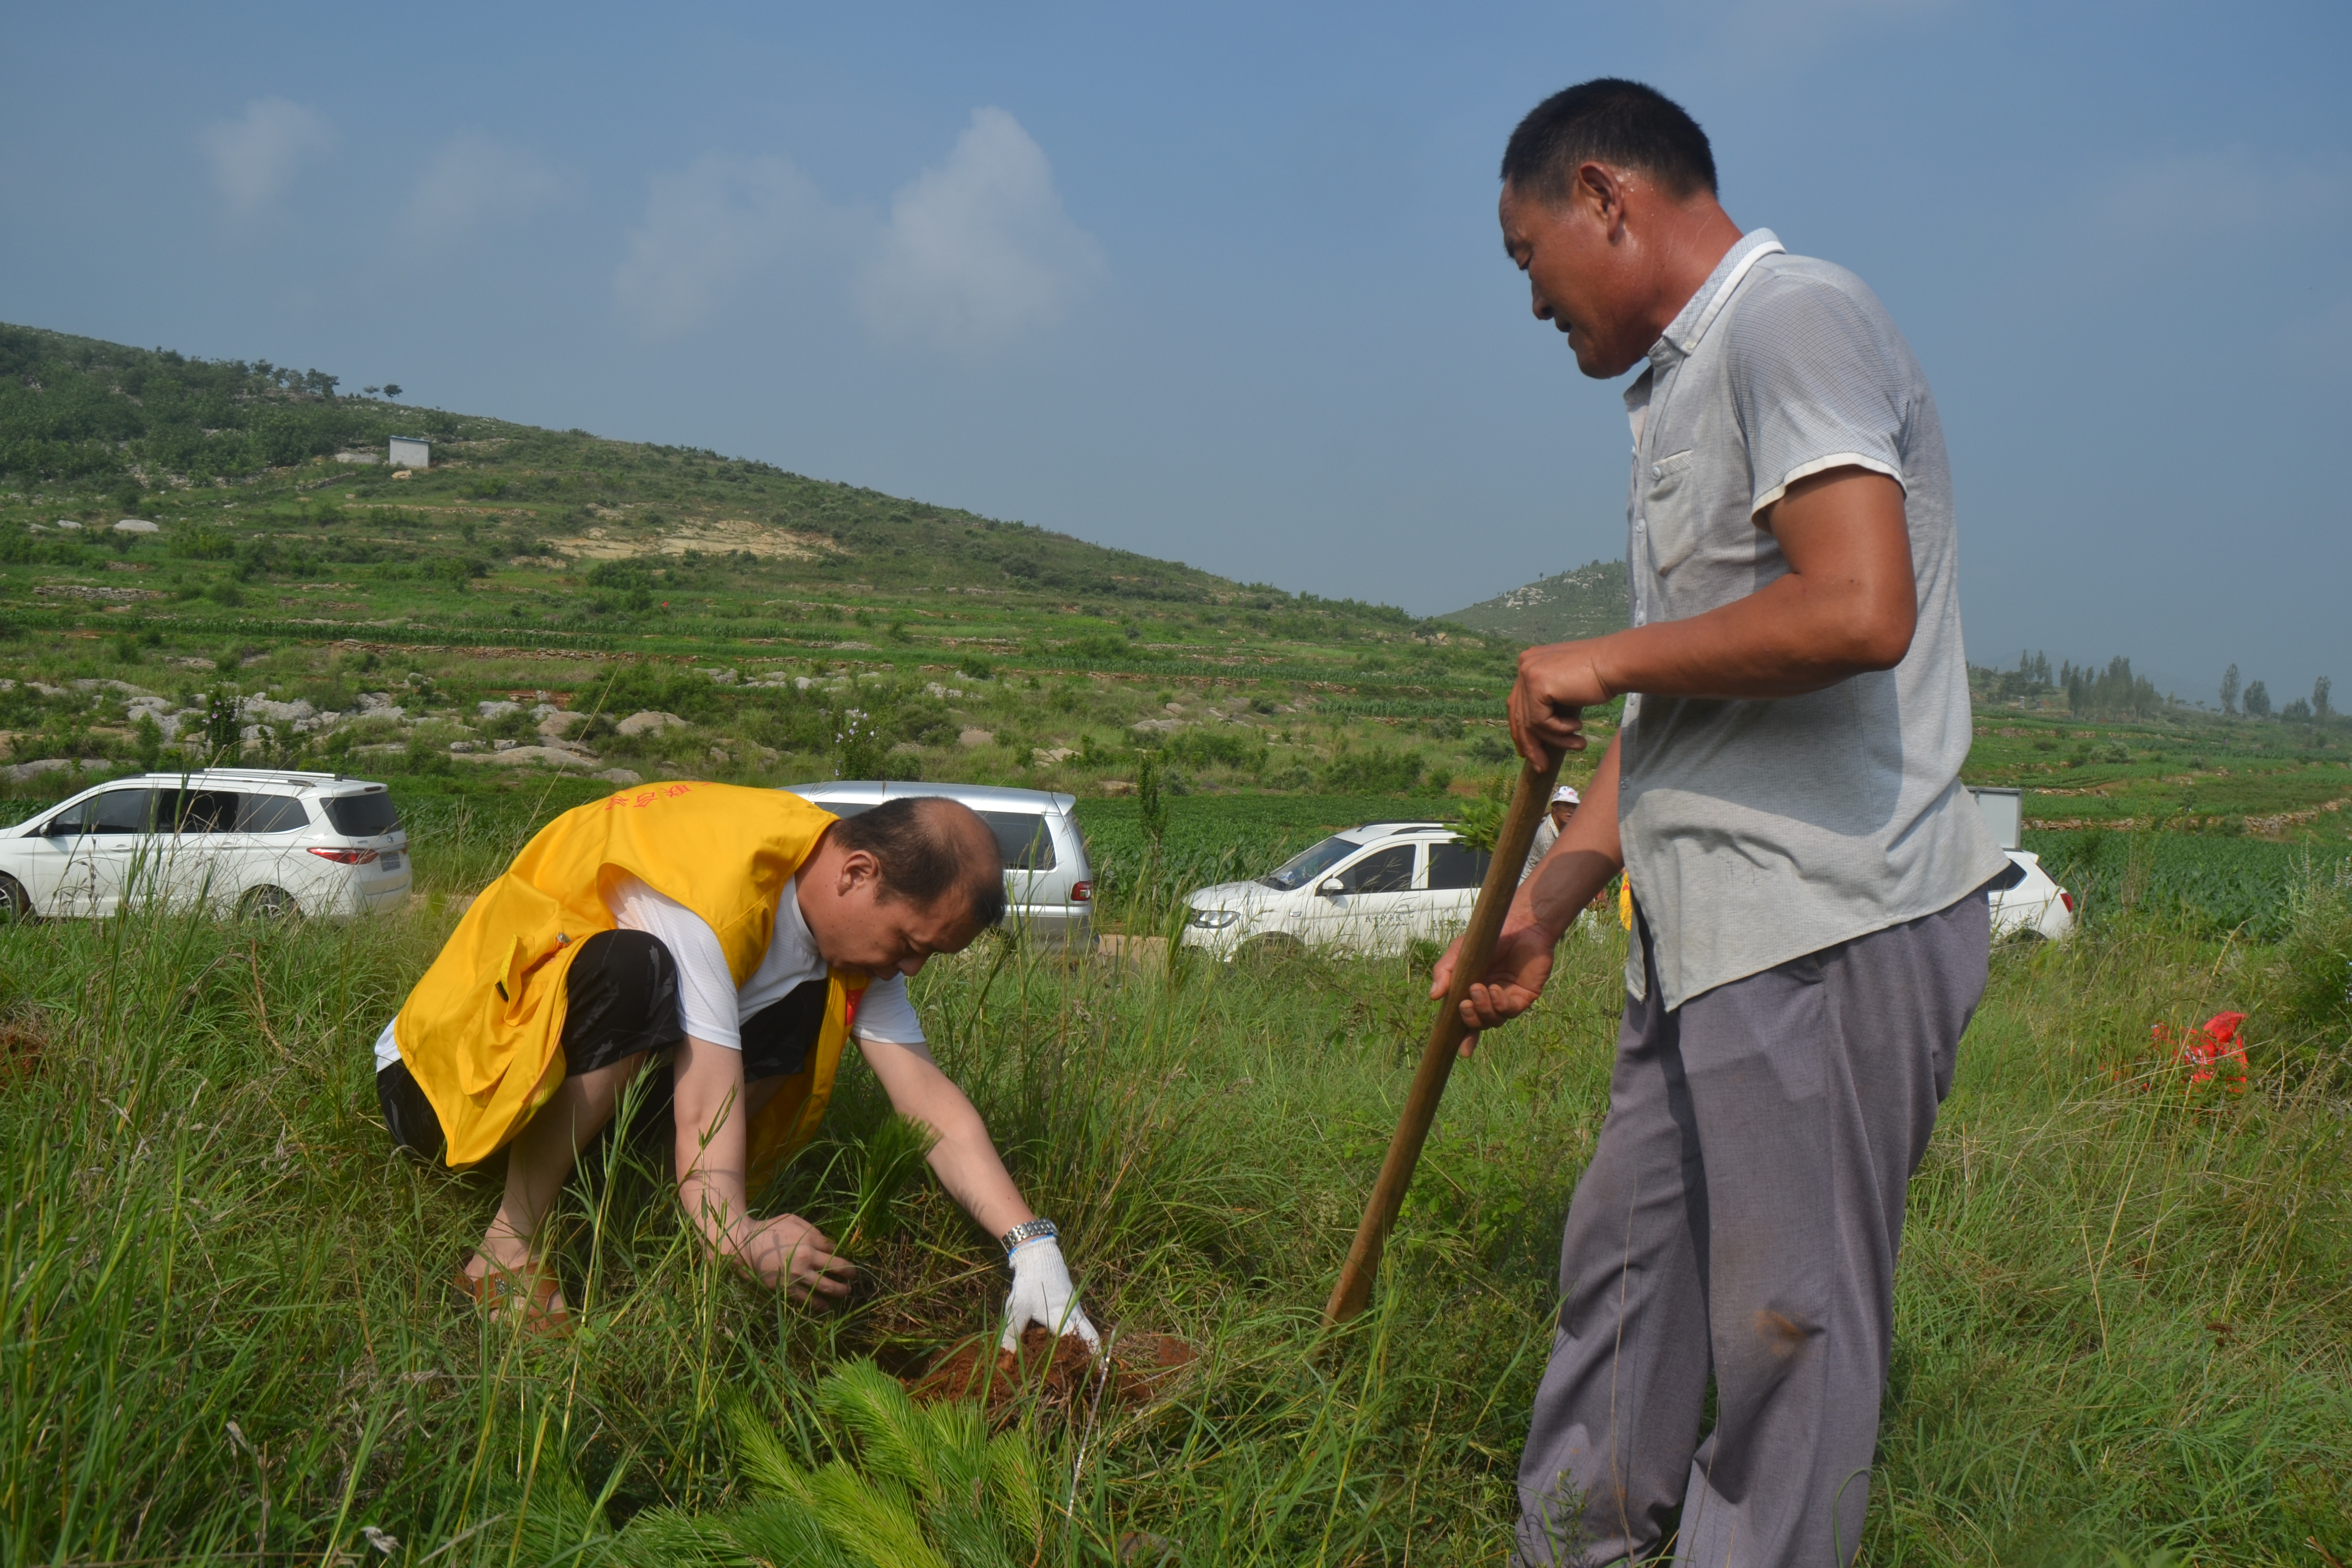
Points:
(1529, 802)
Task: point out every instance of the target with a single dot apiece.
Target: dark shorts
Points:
(620, 1001)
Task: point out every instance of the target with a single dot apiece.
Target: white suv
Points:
(255, 841)
(1371, 889)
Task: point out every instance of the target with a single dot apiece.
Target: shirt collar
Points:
(1683, 334)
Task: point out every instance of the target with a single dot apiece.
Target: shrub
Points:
(201, 544)
(1096, 648)
(1373, 771)
(1238, 749)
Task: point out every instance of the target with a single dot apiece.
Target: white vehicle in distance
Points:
(1369, 891)
(2034, 905)
(2031, 904)
(254, 841)
(1375, 889)
(1049, 888)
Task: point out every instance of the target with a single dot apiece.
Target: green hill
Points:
(150, 426)
(172, 530)
(1584, 603)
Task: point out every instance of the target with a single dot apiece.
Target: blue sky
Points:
(1223, 283)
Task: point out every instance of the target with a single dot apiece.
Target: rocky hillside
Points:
(1584, 603)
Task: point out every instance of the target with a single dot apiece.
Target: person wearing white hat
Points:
(1564, 802)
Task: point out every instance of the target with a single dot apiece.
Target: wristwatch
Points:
(1027, 1230)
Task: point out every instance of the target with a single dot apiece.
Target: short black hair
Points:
(927, 855)
(1608, 121)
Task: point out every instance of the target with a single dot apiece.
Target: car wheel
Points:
(266, 904)
(15, 904)
(1273, 948)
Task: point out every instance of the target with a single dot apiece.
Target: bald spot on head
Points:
(930, 849)
(962, 837)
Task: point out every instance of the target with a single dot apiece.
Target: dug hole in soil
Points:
(1054, 1374)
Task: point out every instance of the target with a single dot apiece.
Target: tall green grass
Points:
(226, 1327)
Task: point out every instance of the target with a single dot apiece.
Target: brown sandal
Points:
(496, 1288)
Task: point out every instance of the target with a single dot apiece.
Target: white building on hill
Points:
(411, 452)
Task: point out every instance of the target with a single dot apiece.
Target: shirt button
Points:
(1657, 470)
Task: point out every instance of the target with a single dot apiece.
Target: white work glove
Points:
(1042, 1293)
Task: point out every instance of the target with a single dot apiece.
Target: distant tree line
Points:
(2113, 692)
(2029, 678)
(78, 410)
(2254, 700)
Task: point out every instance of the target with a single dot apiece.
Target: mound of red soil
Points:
(1054, 1373)
(21, 1044)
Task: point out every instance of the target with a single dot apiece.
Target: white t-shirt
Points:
(711, 1005)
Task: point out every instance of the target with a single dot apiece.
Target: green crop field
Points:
(226, 1334)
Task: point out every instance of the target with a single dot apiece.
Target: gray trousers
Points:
(1739, 1219)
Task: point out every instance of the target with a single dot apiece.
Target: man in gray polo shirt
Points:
(1809, 876)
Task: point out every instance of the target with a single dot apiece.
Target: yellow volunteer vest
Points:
(481, 1031)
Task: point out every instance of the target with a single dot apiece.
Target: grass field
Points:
(2123, 1325)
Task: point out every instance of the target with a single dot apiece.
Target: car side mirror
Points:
(1330, 887)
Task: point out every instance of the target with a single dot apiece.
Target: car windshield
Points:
(361, 815)
(1307, 866)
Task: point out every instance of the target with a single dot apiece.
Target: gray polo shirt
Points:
(1756, 832)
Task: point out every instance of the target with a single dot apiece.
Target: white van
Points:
(256, 841)
(1372, 889)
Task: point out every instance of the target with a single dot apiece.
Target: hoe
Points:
(1511, 847)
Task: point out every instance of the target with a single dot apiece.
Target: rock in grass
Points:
(650, 722)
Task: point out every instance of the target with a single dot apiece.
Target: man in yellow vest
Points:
(750, 935)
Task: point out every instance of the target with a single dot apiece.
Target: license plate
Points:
(389, 860)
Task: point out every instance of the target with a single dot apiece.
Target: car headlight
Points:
(1215, 920)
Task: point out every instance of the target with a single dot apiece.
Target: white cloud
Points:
(978, 249)
(255, 158)
(708, 229)
(472, 179)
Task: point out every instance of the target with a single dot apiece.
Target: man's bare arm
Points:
(965, 1158)
(1847, 604)
(712, 1146)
